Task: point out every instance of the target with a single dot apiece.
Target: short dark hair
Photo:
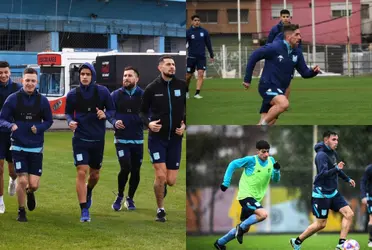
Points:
(4, 64)
(131, 68)
(29, 71)
(262, 145)
(195, 16)
(162, 58)
(284, 12)
(290, 27)
(328, 133)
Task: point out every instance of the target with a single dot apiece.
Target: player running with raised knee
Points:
(325, 195)
(128, 136)
(281, 57)
(258, 170)
(87, 109)
(28, 115)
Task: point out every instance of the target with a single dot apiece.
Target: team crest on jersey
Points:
(192, 36)
(201, 34)
(294, 58)
(280, 58)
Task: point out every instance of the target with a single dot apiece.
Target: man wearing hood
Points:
(86, 117)
(258, 170)
(163, 111)
(28, 115)
(197, 39)
(128, 136)
(7, 87)
(325, 195)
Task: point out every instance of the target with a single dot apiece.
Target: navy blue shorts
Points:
(26, 162)
(267, 95)
(5, 152)
(130, 152)
(166, 151)
(199, 63)
(320, 206)
(249, 205)
(88, 153)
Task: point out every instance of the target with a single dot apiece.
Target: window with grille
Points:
(232, 15)
(207, 16)
(339, 9)
(365, 11)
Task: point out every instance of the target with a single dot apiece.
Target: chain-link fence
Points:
(211, 148)
(332, 59)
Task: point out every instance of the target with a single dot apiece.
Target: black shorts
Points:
(88, 153)
(320, 206)
(28, 162)
(166, 151)
(200, 63)
(249, 205)
(5, 152)
(267, 94)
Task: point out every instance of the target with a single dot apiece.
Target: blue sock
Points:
(227, 237)
(250, 221)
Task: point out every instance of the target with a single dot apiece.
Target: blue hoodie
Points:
(280, 61)
(89, 127)
(326, 180)
(366, 183)
(197, 39)
(275, 30)
(23, 138)
(5, 91)
(133, 131)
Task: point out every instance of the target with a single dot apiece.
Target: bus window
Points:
(52, 81)
(74, 75)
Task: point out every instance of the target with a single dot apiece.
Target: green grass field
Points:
(316, 101)
(275, 242)
(55, 222)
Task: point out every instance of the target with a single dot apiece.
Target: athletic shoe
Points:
(129, 204)
(369, 243)
(2, 208)
(187, 95)
(12, 187)
(117, 203)
(339, 247)
(22, 215)
(160, 216)
(218, 246)
(31, 202)
(239, 234)
(85, 217)
(294, 245)
(198, 96)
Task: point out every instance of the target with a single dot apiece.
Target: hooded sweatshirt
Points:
(326, 180)
(81, 105)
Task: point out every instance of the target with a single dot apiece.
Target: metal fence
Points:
(332, 59)
(211, 148)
